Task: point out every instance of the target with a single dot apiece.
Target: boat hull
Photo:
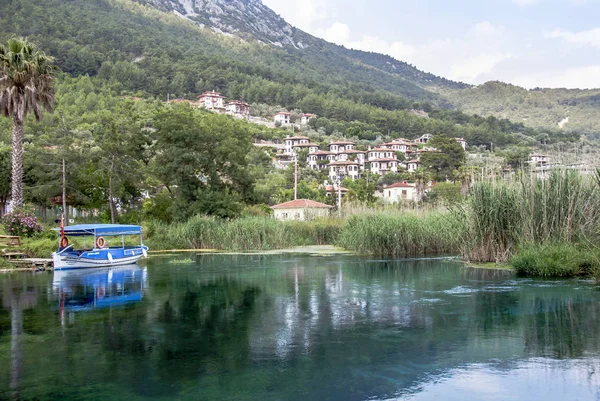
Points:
(98, 258)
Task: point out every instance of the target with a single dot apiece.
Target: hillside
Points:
(155, 48)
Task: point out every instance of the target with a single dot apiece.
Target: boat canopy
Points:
(97, 230)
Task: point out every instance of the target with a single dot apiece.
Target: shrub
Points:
(21, 222)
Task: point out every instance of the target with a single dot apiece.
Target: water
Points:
(297, 328)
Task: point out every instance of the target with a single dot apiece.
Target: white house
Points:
(319, 156)
(424, 138)
(300, 209)
(283, 118)
(412, 165)
(381, 153)
(306, 118)
(291, 141)
(340, 146)
(463, 142)
(344, 169)
(238, 108)
(398, 192)
(212, 101)
(311, 147)
(539, 159)
(383, 166)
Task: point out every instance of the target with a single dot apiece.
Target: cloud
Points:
(477, 65)
(586, 77)
(590, 37)
(525, 3)
(303, 14)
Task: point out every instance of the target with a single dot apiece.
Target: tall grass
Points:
(556, 260)
(389, 233)
(249, 233)
(502, 215)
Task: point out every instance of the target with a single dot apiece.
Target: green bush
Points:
(556, 260)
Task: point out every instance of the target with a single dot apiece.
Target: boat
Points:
(100, 254)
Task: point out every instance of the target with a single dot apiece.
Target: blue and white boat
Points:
(99, 254)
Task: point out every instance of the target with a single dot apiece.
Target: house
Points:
(238, 108)
(398, 192)
(539, 159)
(300, 209)
(462, 142)
(316, 160)
(212, 101)
(283, 118)
(342, 169)
(293, 141)
(383, 166)
(340, 146)
(424, 138)
(398, 145)
(304, 120)
(381, 153)
(311, 147)
(412, 165)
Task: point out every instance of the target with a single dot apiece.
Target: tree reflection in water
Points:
(285, 327)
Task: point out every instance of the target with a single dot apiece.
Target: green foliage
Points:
(39, 246)
(387, 233)
(445, 193)
(450, 156)
(556, 260)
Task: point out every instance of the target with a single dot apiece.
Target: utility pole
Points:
(339, 202)
(295, 177)
(64, 191)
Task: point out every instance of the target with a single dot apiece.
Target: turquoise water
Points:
(231, 327)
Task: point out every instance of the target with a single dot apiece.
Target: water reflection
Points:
(85, 289)
(289, 328)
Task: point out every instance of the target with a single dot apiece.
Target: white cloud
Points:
(303, 14)
(525, 3)
(475, 66)
(577, 77)
(590, 37)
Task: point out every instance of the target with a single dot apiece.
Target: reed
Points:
(244, 234)
(501, 215)
(557, 260)
(395, 233)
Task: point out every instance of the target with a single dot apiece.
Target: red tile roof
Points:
(344, 163)
(301, 203)
(297, 137)
(383, 160)
(306, 145)
(342, 143)
(321, 152)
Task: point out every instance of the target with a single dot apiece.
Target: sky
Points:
(531, 43)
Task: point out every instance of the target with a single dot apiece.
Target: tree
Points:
(26, 86)
(450, 156)
(421, 178)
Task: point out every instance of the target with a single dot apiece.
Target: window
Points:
(404, 194)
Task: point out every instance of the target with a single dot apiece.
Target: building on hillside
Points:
(539, 159)
(301, 210)
(383, 166)
(293, 141)
(380, 153)
(423, 139)
(305, 119)
(238, 108)
(212, 101)
(463, 142)
(340, 146)
(343, 169)
(412, 165)
(311, 147)
(352, 155)
(283, 118)
(398, 145)
(319, 159)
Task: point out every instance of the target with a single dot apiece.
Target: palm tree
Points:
(26, 78)
(421, 178)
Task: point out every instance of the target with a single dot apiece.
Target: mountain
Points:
(246, 51)
(549, 108)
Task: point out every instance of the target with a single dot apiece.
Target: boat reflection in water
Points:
(86, 289)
